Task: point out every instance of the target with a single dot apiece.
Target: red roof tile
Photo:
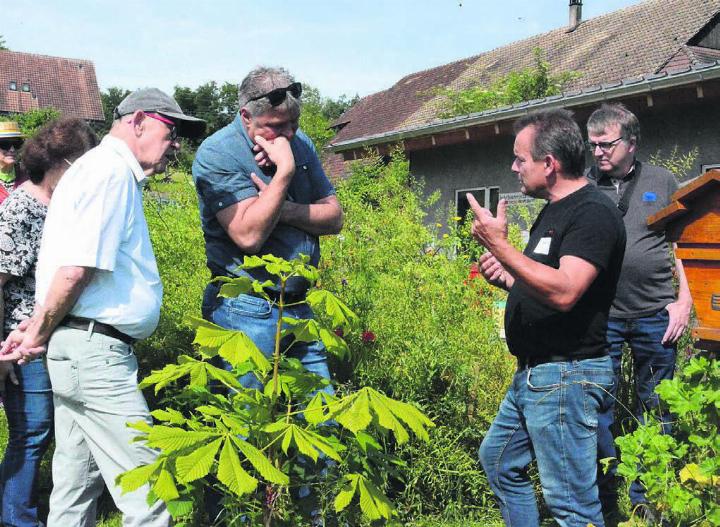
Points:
(68, 85)
(627, 43)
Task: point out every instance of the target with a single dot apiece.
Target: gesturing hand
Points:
(493, 271)
(487, 229)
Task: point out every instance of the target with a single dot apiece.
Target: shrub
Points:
(681, 471)
(269, 434)
(173, 220)
(435, 341)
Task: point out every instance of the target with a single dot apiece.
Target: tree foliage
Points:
(216, 104)
(3, 44)
(531, 83)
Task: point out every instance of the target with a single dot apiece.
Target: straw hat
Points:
(10, 130)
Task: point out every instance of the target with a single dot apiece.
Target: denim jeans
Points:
(257, 318)
(653, 362)
(550, 413)
(29, 410)
(95, 391)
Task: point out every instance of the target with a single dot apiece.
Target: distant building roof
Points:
(633, 42)
(29, 81)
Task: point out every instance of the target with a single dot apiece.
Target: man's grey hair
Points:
(262, 80)
(614, 113)
(556, 134)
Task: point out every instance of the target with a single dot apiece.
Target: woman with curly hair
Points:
(26, 390)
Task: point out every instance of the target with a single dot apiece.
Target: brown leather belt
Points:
(83, 324)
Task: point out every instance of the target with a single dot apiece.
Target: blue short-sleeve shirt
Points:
(221, 172)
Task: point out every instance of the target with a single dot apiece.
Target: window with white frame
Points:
(487, 197)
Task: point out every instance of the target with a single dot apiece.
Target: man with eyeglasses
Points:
(646, 313)
(97, 292)
(262, 190)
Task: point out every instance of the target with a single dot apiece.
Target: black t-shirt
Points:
(585, 224)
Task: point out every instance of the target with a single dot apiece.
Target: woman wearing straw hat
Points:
(11, 139)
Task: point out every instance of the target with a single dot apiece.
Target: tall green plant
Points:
(250, 443)
(430, 335)
(680, 164)
(530, 83)
(681, 471)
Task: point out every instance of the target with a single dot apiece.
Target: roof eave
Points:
(647, 84)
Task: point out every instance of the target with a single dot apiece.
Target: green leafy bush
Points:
(32, 120)
(530, 83)
(681, 471)
(245, 436)
(172, 214)
(430, 332)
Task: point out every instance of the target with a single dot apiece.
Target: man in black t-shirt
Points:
(561, 289)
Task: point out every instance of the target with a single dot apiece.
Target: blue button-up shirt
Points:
(221, 172)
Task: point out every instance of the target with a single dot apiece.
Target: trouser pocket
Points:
(63, 377)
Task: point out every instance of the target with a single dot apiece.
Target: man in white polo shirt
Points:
(97, 291)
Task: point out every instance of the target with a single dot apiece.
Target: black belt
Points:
(83, 324)
(529, 362)
(288, 298)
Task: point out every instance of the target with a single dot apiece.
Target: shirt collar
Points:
(121, 148)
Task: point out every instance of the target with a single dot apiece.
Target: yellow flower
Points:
(457, 218)
(445, 235)
(438, 225)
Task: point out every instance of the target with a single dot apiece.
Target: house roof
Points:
(644, 84)
(68, 85)
(625, 44)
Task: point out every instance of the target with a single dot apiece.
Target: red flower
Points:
(339, 332)
(368, 336)
(474, 273)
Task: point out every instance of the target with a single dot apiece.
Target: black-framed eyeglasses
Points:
(605, 146)
(15, 142)
(277, 96)
(171, 124)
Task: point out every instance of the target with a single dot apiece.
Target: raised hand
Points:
(487, 229)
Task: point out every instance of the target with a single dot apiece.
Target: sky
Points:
(339, 46)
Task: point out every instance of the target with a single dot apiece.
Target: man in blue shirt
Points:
(262, 190)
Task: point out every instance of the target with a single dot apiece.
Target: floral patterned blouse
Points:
(21, 223)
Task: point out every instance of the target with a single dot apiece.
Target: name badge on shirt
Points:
(543, 246)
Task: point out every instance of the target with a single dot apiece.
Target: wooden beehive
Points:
(692, 221)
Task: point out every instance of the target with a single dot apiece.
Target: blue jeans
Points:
(653, 362)
(29, 410)
(257, 318)
(550, 413)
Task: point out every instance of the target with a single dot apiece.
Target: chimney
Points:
(575, 15)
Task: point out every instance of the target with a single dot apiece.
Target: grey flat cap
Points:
(154, 100)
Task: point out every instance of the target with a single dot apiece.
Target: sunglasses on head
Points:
(278, 95)
(6, 144)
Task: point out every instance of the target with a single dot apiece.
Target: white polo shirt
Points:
(95, 219)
